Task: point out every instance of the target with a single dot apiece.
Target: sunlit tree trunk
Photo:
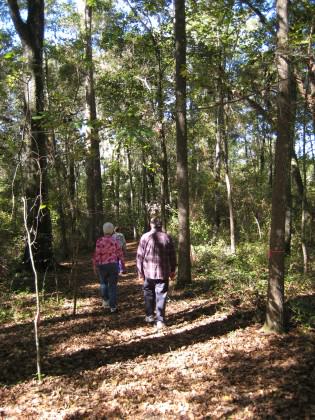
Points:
(31, 33)
(275, 298)
(184, 264)
(222, 141)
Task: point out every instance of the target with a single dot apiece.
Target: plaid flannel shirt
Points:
(156, 256)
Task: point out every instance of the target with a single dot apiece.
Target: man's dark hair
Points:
(156, 222)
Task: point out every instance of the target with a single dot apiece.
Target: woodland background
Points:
(90, 127)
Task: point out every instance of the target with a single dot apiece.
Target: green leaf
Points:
(9, 55)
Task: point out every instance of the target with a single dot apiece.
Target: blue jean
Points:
(108, 275)
(155, 293)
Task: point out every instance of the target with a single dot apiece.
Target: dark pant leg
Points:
(112, 271)
(102, 274)
(108, 274)
(161, 288)
(149, 296)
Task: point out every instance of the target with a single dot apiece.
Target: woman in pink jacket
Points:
(107, 252)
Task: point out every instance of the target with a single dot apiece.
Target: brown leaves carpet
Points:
(210, 363)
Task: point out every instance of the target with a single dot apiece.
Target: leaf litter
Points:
(210, 363)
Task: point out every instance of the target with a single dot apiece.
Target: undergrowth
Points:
(243, 279)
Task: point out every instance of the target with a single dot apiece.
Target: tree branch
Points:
(20, 26)
(261, 16)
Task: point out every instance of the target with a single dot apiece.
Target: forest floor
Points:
(211, 362)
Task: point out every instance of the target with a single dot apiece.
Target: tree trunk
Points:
(58, 166)
(288, 218)
(132, 195)
(144, 200)
(61, 202)
(93, 166)
(31, 33)
(222, 141)
(164, 163)
(305, 217)
(275, 298)
(184, 264)
(217, 177)
(117, 186)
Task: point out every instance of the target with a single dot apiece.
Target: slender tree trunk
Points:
(71, 185)
(60, 180)
(37, 315)
(117, 186)
(31, 33)
(144, 198)
(217, 177)
(223, 141)
(93, 166)
(60, 206)
(184, 264)
(132, 195)
(275, 298)
(288, 218)
(229, 195)
(164, 161)
(304, 216)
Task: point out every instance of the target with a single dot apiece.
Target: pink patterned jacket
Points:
(107, 250)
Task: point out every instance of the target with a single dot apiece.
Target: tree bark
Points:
(275, 298)
(117, 185)
(93, 166)
(132, 195)
(144, 198)
(31, 33)
(217, 177)
(184, 264)
(288, 219)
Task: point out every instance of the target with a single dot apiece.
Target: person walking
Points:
(107, 253)
(156, 264)
(119, 236)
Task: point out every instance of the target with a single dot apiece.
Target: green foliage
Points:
(302, 311)
(199, 231)
(243, 278)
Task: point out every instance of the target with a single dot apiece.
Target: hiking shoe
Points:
(160, 325)
(149, 319)
(105, 303)
(113, 310)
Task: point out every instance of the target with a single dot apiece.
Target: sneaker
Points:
(149, 319)
(105, 303)
(160, 325)
(113, 310)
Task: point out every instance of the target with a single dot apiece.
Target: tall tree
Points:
(93, 166)
(184, 264)
(275, 298)
(31, 33)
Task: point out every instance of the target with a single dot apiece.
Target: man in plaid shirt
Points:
(156, 264)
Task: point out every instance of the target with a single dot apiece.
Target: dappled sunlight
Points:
(210, 361)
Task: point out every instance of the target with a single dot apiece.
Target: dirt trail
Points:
(209, 363)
